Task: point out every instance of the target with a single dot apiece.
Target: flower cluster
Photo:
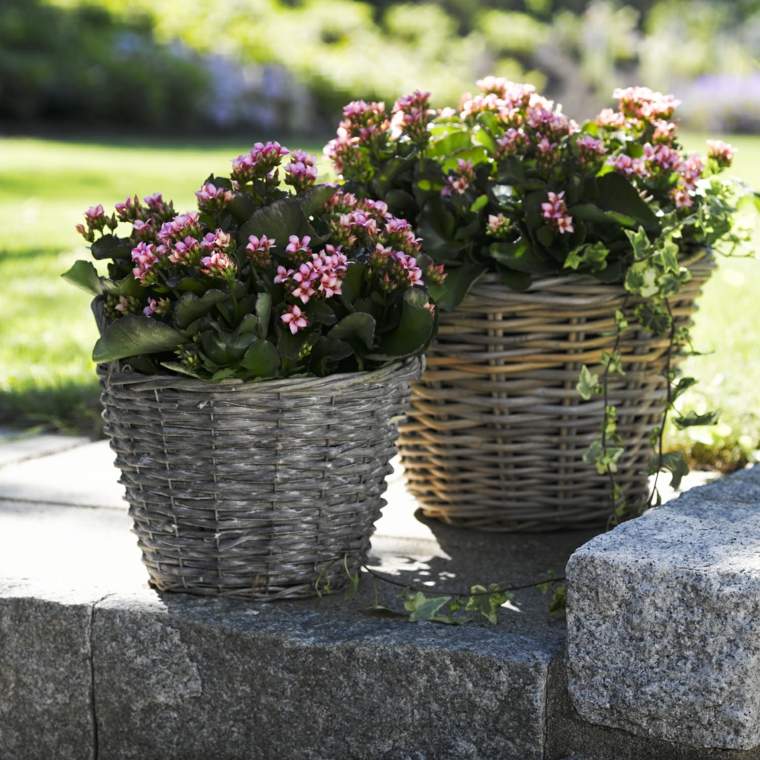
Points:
(256, 294)
(410, 116)
(508, 182)
(554, 210)
(259, 163)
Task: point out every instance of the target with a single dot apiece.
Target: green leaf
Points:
(135, 335)
(589, 212)
(84, 275)
(675, 463)
(314, 201)
(485, 604)
(519, 281)
(358, 326)
(111, 247)
(277, 221)
(414, 330)
(421, 607)
(520, 256)
(480, 202)
(351, 287)
(592, 257)
(681, 387)
(261, 359)
(180, 368)
(459, 280)
(588, 384)
(190, 307)
(692, 419)
(616, 193)
(263, 312)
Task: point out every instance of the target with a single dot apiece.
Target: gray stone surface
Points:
(184, 678)
(45, 673)
(16, 446)
(664, 620)
(180, 677)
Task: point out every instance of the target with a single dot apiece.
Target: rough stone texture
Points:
(186, 678)
(45, 674)
(664, 620)
(570, 737)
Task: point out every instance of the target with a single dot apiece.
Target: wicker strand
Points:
(496, 432)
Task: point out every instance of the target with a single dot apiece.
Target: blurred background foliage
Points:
(154, 94)
(291, 64)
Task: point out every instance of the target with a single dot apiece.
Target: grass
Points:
(46, 376)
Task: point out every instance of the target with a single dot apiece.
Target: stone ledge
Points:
(664, 620)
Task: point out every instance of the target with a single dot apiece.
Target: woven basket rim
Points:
(402, 370)
(703, 256)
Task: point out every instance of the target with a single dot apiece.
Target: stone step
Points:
(94, 664)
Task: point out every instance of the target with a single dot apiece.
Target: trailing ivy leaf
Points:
(358, 326)
(135, 335)
(485, 604)
(261, 359)
(190, 307)
(681, 387)
(84, 275)
(692, 419)
(263, 312)
(675, 463)
(414, 331)
(591, 257)
(588, 384)
(111, 247)
(421, 607)
(459, 280)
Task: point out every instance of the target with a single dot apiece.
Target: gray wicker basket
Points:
(496, 432)
(263, 490)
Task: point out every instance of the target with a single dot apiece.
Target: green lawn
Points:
(46, 376)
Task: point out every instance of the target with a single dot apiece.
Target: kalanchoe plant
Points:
(507, 183)
(260, 281)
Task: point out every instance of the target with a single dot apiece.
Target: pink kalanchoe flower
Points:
(410, 116)
(409, 266)
(461, 181)
(610, 119)
(218, 263)
(155, 202)
(95, 213)
(681, 197)
(664, 131)
(295, 319)
(282, 275)
(129, 209)
(301, 172)
(262, 243)
(554, 210)
(218, 240)
(646, 104)
(662, 156)
(142, 230)
(298, 245)
(156, 306)
(498, 225)
(436, 273)
(259, 162)
(212, 197)
(185, 251)
(721, 152)
(631, 167)
(691, 170)
(144, 258)
(590, 147)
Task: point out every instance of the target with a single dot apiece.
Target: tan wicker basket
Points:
(264, 490)
(496, 432)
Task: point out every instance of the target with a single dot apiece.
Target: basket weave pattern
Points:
(256, 490)
(497, 432)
